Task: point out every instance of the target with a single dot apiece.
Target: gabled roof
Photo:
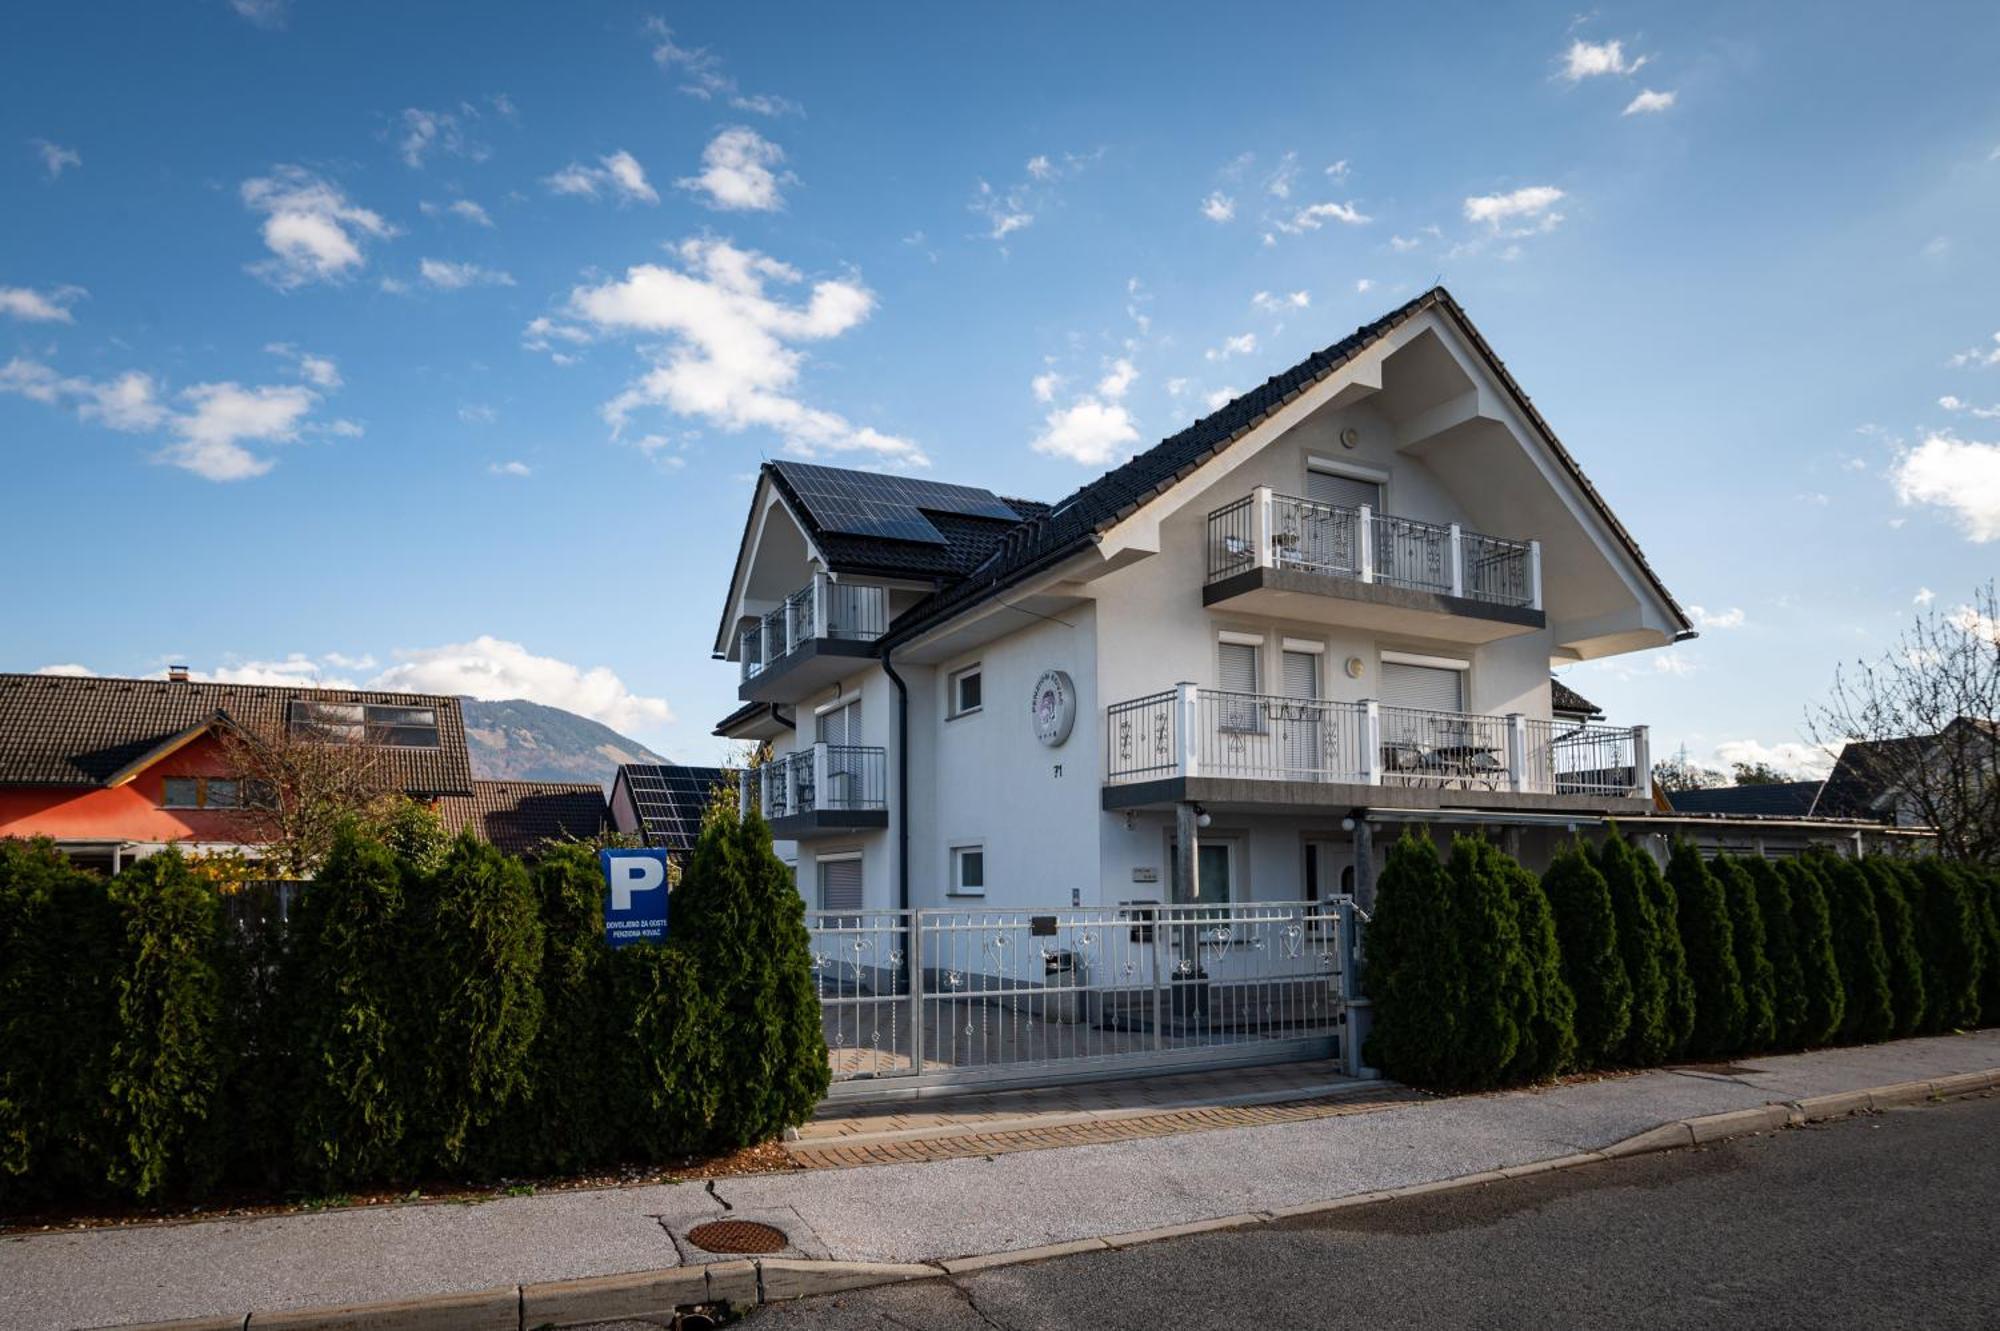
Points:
(1073, 524)
(1566, 701)
(519, 816)
(67, 730)
(1787, 799)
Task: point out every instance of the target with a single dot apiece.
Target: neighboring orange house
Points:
(115, 769)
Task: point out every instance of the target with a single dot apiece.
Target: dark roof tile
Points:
(519, 816)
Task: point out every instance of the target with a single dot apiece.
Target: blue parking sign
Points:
(635, 896)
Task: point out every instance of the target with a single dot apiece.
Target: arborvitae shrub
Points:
(567, 1121)
(1890, 881)
(737, 909)
(1647, 1039)
(1587, 936)
(1411, 974)
(480, 955)
(1709, 940)
(1788, 983)
(1954, 944)
(352, 989)
(1984, 884)
(57, 1020)
(164, 1067)
(1819, 958)
(1548, 1025)
(1753, 964)
(1498, 994)
(665, 1069)
(1857, 941)
(1673, 956)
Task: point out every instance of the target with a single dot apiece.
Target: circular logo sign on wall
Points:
(1054, 707)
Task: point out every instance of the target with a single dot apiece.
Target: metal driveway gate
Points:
(919, 1000)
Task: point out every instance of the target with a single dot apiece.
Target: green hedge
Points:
(431, 1011)
(1481, 977)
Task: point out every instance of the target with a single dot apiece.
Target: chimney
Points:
(178, 674)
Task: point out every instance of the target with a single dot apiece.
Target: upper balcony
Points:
(1254, 749)
(811, 640)
(1294, 558)
(819, 788)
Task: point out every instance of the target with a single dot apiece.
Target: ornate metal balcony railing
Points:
(1269, 530)
(822, 608)
(1190, 731)
(836, 778)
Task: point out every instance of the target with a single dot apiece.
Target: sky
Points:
(436, 346)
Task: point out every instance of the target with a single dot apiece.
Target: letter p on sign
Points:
(635, 900)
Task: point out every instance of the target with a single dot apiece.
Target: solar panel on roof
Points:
(862, 503)
(670, 801)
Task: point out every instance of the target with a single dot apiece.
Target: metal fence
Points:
(1564, 758)
(1265, 737)
(956, 997)
(1495, 570)
(834, 777)
(1453, 750)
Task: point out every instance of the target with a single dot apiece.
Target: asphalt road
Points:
(1884, 1221)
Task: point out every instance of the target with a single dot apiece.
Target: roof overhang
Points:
(166, 748)
(767, 504)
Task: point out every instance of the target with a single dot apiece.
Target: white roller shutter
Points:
(1302, 674)
(1237, 667)
(842, 725)
(1327, 487)
(1423, 686)
(840, 884)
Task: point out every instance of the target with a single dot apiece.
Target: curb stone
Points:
(746, 1282)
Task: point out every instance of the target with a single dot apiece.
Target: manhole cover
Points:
(737, 1236)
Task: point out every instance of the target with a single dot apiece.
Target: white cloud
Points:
(1005, 213)
(319, 371)
(56, 158)
(446, 276)
(31, 306)
(66, 668)
(1243, 344)
(1804, 762)
(702, 75)
(1968, 620)
(1088, 431)
(314, 232)
(1318, 215)
(1924, 596)
(1649, 102)
(511, 468)
(492, 669)
(1961, 476)
(1363, 285)
(1731, 618)
(1586, 60)
(736, 172)
(1117, 381)
(1044, 385)
(263, 13)
(1673, 665)
(1218, 207)
(619, 174)
(1980, 356)
(1278, 304)
(1221, 397)
(729, 355)
(1338, 171)
(1280, 182)
(1040, 167)
(427, 132)
(461, 208)
(477, 413)
(1950, 403)
(1528, 201)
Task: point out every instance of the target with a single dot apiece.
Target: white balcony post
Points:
(1371, 742)
(1187, 714)
(1534, 575)
(1262, 530)
(822, 790)
(743, 793)
(1367, 537)
(1642, 762)
(1457, 561)
(819, 600)
(1517, 751)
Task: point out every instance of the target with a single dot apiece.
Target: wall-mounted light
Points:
(1350, 438)
(1354, 667)
(1201, 818)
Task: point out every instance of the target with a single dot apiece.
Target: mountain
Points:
(518, 740)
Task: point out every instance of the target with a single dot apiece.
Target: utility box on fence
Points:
(1059, 971)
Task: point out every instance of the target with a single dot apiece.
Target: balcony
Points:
(820, 788)
(1281, 555)
(810, 640)
(1261, 749)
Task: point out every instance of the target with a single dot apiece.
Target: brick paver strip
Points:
(821, 1155)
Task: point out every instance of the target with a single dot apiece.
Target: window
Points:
(364, 723)
(840, 884)
(202, 792)
(968, 871)
(1237, 670)
(182, 792)
(1424, 686)
(1215, 862)
(966, 690)
(839, 725)
(1332, 487)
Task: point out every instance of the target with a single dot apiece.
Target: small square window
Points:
(968, 871)
(966, 691)
(181, 792)
(219, 794)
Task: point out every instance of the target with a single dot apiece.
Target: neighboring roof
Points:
(1566, 701)
(749, 711)
(1781, 799)
(670, 799)
(70, 730)
(1863, 773)
(518, 816)
(1073, 524)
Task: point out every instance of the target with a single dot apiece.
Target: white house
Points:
(1326, 609)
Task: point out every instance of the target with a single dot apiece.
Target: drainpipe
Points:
(900, 814)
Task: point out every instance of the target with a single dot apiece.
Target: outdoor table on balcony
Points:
(1466, 766)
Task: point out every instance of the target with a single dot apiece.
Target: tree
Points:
(1680, 773)
(1412, 978)
(1781, 952)
(1709, 941)
(1648, 1040)
(1548, 1020)
(1825, 1006)
(1757, 774)
(1498, 996)
(567, 1121)
(1928, 712)
(1949, 919)
(1587, 938)
(1673, 954)
(1753, 963)
(1891, 883)
(1857, 941)
(302, 790)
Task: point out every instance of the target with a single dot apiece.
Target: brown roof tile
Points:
(518, 816)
